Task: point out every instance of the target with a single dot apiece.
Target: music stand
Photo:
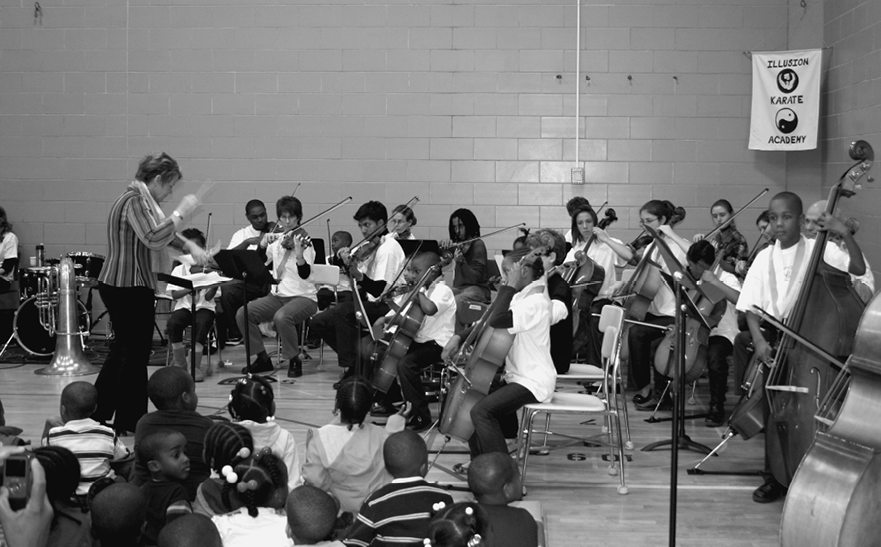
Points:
(185, 283)
(245, 266)
(412, 246)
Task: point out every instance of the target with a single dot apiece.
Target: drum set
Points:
(35, 322)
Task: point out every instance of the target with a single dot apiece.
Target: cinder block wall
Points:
(853, 109)
(465, 104)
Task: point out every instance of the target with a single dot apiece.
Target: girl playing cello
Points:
(529, 377)
(643, 340)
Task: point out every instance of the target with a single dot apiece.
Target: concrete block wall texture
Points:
(852, 31)
(462, 104)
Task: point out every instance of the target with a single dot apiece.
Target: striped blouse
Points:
(131, 237)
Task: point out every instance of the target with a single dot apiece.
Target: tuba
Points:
(60, 288)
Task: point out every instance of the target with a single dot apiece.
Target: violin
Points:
(449, 249)
(364, 249)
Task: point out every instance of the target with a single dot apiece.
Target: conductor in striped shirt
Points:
(138, 234)
(399, 513)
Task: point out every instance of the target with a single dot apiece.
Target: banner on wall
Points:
(786, 100)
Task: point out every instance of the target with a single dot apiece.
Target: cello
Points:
(826, 312)
(834, 496)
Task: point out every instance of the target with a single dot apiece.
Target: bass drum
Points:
(32, 337)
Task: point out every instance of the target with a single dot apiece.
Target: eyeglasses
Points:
(644, 221)
(287, 218)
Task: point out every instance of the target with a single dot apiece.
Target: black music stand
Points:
(245, 266)
(185, 283)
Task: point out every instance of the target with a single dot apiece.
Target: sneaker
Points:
(768, 492)
(380, 410)
(258, 366)
(234, 341)
(651, 404)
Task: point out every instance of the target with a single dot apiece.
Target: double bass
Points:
(826, 312)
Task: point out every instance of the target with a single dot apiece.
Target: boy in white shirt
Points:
(438, 303)
(524, 310)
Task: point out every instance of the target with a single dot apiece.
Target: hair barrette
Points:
(426, 542)
(469, 511)
(475, 539)
(243, 452)
(438, 506)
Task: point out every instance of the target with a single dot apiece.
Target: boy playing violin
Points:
(291, 301)
(524, 309)
(338, 326)
(437, 302)
(773, 283)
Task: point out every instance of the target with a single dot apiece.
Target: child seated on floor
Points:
(399, 511)
(164, 454)
(344, 457)
(190, 531)
(173, 393)
(252, 404)
(118, 513)
(71, 526)
(182, 316)
(261, 483)
(226, 445)
(463, 524)
(494, 479)
(95, 445)
(311, 514)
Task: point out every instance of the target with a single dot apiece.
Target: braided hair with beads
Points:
(252, 399)
(260, 481)
(464, 524)
(62, 470)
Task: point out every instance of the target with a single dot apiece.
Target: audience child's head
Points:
(252, 399)
(550, 239)
(578, 202)
(195, 235)
(340, 239)
(227, 444)
(311, 515)
(260, 481)
(494, 479)
(353, 401)
(62, 470)
(172, 388)
(78, 401)
(164, 454)
(463, 524)
(370, 216)
(405, 455)
(193, 530)
(118, 514)
(463, 225)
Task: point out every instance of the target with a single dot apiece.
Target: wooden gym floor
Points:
(578, 496)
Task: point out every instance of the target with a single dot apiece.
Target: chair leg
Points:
(528, 420)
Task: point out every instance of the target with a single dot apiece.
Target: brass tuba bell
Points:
(69, 358)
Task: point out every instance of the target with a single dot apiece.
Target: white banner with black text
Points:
(786, 100)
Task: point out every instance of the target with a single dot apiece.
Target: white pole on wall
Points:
(577, 173)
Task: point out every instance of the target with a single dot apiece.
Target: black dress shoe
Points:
(347, 373)
(258, 366)
(640, 399)
(768, 492)
(295, 368)
(715, 417)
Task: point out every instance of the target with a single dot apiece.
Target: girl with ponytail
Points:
(463, 524)
(260, 486)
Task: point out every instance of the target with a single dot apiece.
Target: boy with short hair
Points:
(190, 531)
(399, 512)
(173, 393)
(95, 445)
(438, 303)
(118, 514)
(164, 454)
(494, 479)
(311, 516)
